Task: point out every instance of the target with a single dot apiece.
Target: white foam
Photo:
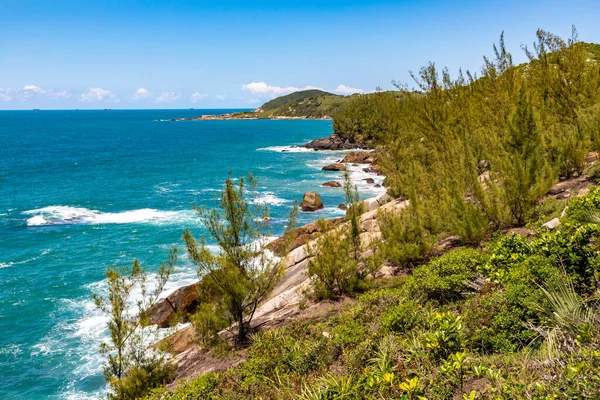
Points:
(6, 264)
(287, 149)
(268, 198)
(62, 215)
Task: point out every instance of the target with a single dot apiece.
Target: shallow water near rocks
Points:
(81, 190)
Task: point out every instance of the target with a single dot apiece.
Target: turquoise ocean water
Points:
(81, 190)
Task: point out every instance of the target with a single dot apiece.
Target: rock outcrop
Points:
(361, 157)
(183, 300)
(334, 184)
(311, 202)
(334, 167)
(335, 142)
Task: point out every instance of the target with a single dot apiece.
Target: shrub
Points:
(581, 207)
(402, 317)
(445, 279)
(574, 249)
(335, 271)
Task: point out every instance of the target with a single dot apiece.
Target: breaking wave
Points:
(66, 215)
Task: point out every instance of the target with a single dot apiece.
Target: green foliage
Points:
(446, 278)
(335, 270)
(243, 272)
(208, 320)
(525, 176)
(130, 369)
(445, 336)
(300, 95)
(402, 317)
(582, 209)
(407, 239)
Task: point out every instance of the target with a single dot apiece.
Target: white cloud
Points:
(141, 94)
(347, 90)
(97, 94)
(34, 89)
(167, 97)
(220, 97)
(63, 94)
(30, 91)
(264, 90)
(196, 97)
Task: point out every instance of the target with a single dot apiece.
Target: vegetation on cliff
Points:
(503, 316)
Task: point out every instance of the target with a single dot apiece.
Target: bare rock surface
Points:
(311, 202)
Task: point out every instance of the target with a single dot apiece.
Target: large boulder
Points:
(361, 157)
(334, 167)
(183, 300)
(335, 142)
(311, 202)
(335, 184)
(301, 235)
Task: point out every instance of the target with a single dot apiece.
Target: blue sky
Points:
(216, 54)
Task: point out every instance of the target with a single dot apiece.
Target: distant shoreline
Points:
(247, 116)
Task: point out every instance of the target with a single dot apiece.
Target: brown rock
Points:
(183, 300)
(160, 314)
(311, 202)
(332, 184)
(334, 142)
(358, 158)
(301, 235)
(334, 167)
(342, 206)
(378, 185)
(369, 180)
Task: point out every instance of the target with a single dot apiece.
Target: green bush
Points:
(575, 250)
(402, 317)
(335, 271)
(446, 278)
(581, 207)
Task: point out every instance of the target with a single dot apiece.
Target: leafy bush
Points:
(402, 317)
(335, 271)
(446, 278)
(581, 207)
(574, 249)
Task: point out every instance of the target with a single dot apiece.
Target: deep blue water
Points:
(81, 190)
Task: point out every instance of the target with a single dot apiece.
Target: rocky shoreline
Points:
(247, 116)
(336, 142)
(185, 299)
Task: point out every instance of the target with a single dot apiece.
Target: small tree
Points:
(131, 368)
(243, 271)
(525, 174)
(355, 209)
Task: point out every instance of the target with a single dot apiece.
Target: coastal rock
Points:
(334, 167)
(342, 206)
(335, 184)
(378, 185)
(183, 300)
(311, 202)
(335, 142)
(160, 314)
(369, 180)
(358, 158)
(301, 235)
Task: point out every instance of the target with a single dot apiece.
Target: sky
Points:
(92, 54)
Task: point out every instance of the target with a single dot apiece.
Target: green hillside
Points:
(295, 97)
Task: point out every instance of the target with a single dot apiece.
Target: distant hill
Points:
(305, 103)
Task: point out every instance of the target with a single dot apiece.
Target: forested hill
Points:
(305, 103)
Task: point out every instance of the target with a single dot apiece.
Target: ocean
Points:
(82, 190)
